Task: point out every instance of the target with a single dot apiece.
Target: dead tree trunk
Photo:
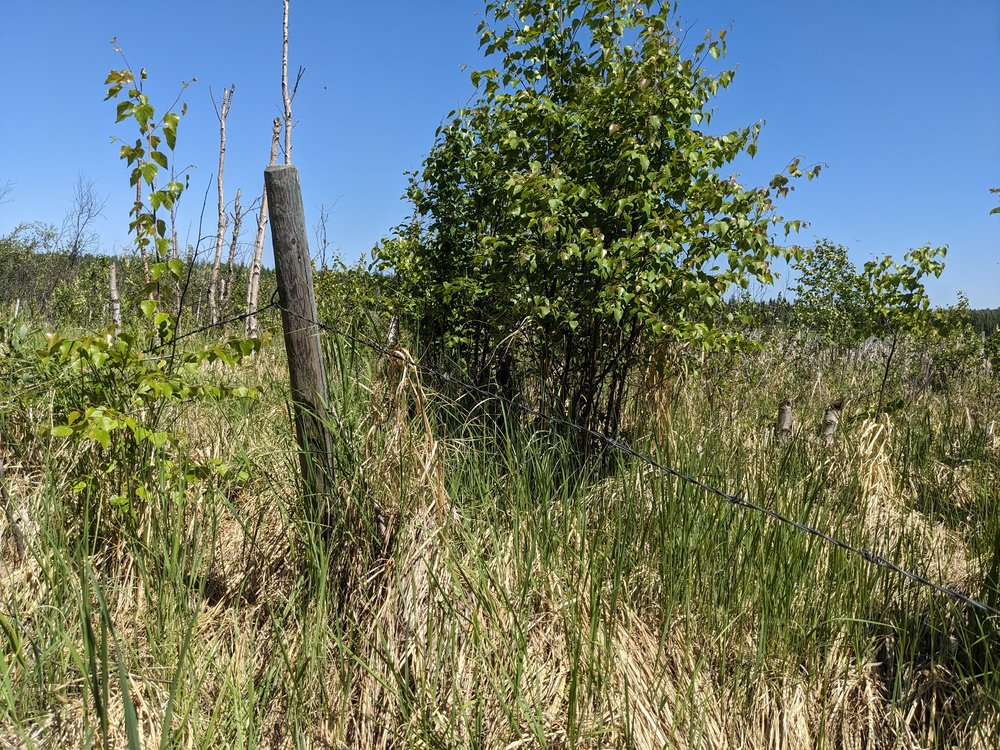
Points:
(220, 236)
(253, 282)
(116, 303)
(227, 289)
(285, 97)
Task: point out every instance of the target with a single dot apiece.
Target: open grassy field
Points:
(585, 474)
(505, 597)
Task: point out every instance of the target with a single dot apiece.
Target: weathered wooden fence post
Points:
(302, 342)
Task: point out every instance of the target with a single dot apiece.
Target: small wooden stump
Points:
(830, 421)
(784, 424)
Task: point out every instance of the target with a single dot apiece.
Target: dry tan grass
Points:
(438, 651)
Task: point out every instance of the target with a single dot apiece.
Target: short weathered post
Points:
(302, 343)
(831, 418)
(13, 523)
(783, 427)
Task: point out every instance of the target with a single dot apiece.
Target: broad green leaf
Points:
(148, 170)
(142, 112)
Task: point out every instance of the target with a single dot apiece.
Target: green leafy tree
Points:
(113, 389)
(146, 160)
(898, 301)
(830, 298)
(991, 350)
(952, 348)
(576, 210)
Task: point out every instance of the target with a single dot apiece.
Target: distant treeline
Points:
(72, 288)
(68, 288)
(985, 321)
(781, 311)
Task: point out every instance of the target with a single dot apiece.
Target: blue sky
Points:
(900, 99)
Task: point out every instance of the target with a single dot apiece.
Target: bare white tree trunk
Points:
(227, 289)
(116, 303)
(392, 336)
(220, 236)
(253, 283)
(285, 96)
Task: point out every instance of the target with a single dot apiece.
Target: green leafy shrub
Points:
(991, 349)
(951, 347)
(897, 301)
(112, 395)
(349, 293)
(830, 295)
(576, 210)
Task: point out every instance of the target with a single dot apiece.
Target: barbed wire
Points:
(210, 326)
(872, 558)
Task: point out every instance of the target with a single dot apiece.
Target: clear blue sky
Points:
(900, 98)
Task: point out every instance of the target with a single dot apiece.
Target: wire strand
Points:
(210, 326)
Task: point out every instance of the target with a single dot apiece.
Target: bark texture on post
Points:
(302, 343)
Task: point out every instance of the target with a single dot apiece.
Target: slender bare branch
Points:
(220, 237)
(227, 289)
(253, 283)
(5, 190)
